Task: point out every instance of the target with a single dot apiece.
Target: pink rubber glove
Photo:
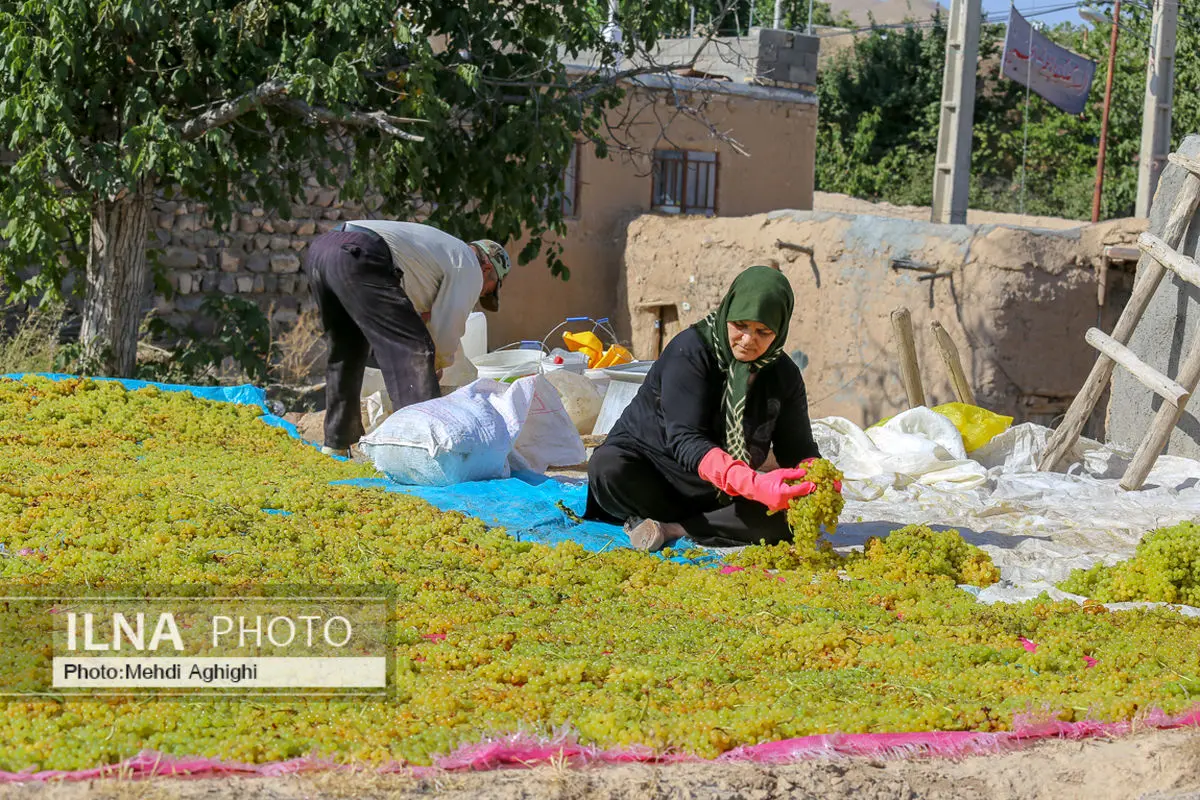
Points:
(739, 479)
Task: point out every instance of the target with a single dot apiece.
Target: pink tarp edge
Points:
(521, 750)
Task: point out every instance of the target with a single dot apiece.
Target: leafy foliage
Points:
(733, 17)
(240, 331)
(877, 135)
(462, 112)
(877, 130)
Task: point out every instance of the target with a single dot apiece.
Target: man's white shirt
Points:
(442, 277)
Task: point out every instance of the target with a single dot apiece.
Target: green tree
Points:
(877, 134)
(1061, 149)
(1013, 127)
(877, 130)
(464, 109)
(733, 17)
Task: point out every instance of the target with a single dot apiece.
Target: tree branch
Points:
(232, 109)
(374, 119)
(593, 82)
(67, 176)
(274, 92)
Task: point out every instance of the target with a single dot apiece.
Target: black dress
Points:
(647, 467)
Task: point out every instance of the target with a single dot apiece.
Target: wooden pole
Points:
(962, 389)
(1183, 266)
(910, 371)
(1148, 376)
(1108, 84)
(1189, 374)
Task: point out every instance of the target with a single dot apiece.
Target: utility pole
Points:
(611, 33)
(1112, 61)
(778, 15)
(1156, 110)
(952, 169)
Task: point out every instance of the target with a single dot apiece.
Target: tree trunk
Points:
(116, 282)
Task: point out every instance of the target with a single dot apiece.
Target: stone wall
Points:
(258, 257)
(765, 56)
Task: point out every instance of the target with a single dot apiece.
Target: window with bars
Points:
(685, 182)
(570, 185)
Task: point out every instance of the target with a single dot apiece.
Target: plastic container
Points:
(564, 359)
(508, 365)
(599, 379)
(460, 373)
(591, 342)
(626, 380)
(474, 340)
(579, 398)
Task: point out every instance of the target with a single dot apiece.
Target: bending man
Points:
(404, 291)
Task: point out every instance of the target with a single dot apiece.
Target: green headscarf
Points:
(763, 295)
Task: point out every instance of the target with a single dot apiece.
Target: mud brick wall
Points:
(1016, 301)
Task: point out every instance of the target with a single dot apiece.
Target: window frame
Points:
(685, 159)
(570, 190)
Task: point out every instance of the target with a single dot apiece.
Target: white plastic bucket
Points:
(460, 373)
(508, 365)
(626, 380)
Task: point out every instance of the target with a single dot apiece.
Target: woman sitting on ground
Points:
(682, 459)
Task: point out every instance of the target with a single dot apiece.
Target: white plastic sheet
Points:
(917, 446)
(375, 403)
(1036, 526)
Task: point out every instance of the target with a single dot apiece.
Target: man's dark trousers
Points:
(360, 295)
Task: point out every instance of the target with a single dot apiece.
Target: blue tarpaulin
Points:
(526, 505)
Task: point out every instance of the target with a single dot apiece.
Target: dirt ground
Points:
(1156, 765)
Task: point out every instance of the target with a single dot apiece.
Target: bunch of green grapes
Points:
(818, 555)
(1165, 568)
(807, 515)
(109, 488)
(917, 553)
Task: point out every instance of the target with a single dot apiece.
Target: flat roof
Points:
(687, 83)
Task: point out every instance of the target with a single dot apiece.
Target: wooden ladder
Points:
(1158, 257)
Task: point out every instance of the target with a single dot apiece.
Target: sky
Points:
(997, 11)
